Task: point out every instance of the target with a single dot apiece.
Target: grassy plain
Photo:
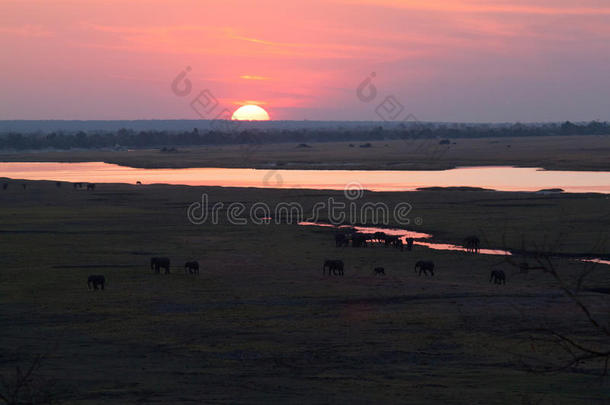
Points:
(261, 323)
(564, 152)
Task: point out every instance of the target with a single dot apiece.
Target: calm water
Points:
(497, 178)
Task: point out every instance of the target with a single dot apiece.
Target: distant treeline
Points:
(126, 138)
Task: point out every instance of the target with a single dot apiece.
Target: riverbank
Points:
(588, 153)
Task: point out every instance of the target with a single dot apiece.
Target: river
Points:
(488, 177)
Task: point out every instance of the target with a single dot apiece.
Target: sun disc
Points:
(250, 112)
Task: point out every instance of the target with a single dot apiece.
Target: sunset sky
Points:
(445, 60)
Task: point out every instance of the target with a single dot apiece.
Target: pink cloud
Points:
(306, 56)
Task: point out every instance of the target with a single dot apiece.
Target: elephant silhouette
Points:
(191, 267)
(96, 280)
(424, 266)
(471, 243)
(379, 237)
(358, 240)
(498, 277)
(336, 266)
(394, 241)
(157, 263)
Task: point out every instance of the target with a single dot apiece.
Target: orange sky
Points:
(451, 60)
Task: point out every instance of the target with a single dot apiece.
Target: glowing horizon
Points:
(451, 60)
(250, 112)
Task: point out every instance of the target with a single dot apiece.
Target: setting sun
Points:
(250, 113)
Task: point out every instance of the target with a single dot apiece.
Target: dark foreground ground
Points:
(261, 323)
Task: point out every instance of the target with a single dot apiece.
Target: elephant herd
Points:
(330, 267)
(425, 267)
(98, 281)
(336, 267)
(361, 239)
